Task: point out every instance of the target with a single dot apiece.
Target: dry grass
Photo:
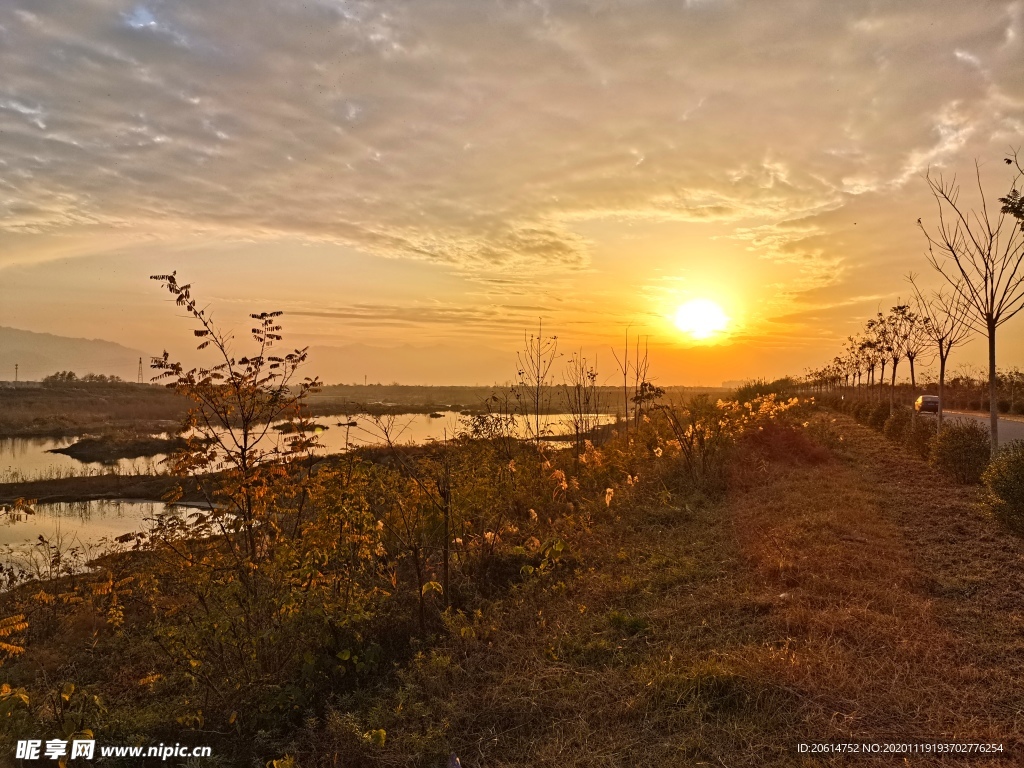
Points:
(75, 409)
(860, 599)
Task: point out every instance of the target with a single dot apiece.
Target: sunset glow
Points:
(414, 184)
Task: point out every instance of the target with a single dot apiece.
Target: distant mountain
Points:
(40, 354)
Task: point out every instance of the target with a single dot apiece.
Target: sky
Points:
(416, 182)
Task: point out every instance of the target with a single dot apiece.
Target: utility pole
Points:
(15, 373)
(140, 370)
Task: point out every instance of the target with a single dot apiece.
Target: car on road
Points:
(927, 404)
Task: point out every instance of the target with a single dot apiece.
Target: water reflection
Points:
(26, 458)
(86, 524)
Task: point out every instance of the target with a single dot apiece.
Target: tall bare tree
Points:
(535, 360)
(944, 314)
(980, 254)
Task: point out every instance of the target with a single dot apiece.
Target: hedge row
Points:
(962, 449)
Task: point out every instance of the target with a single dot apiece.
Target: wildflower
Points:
(489, 537)
(608, 493)
(807, 424)
(533, 515)
(512, 466)
(657, 452)
(559, 477)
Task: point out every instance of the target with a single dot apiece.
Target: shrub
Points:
(1018, 408)
(962, 450)
(974, 405)
(897, 425)
(789, 443)
(878, 416)
(1003, 406)
(751, 390)
(1005, 479)
(862, 411)
(920, 434)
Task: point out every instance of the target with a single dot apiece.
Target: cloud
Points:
(484, 135)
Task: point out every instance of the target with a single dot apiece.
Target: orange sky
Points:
(416, 183)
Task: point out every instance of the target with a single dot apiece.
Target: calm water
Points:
(83, 524)
(24, 458)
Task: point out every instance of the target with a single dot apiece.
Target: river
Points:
(88, 524)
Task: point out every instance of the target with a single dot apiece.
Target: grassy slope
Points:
(861, 599)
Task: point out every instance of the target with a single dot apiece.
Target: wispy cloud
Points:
(481, 135)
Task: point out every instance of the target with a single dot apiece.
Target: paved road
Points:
(1009, 429)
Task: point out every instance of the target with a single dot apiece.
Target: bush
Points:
(962, 450)
(878, 416)
(1018, 408)
(1003, 406)
(751, 390)
(974, 405)
(1005, 479)
(920, 434)
(897, 425)
(863, 411)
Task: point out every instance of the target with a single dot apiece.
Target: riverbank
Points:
(106, 486)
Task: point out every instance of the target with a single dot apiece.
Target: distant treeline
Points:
(476, 399)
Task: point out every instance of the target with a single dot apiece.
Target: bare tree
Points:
(898, 328)
(980, 255)
(583, 398)
(944, 322)
(879, 331)
(623, 365)
(535, 361)
(872, 355)
(917, 342)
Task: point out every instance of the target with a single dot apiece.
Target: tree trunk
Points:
(993, 411)
(892, 388)
(942, 384)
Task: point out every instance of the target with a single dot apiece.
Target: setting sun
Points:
(701, 318)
